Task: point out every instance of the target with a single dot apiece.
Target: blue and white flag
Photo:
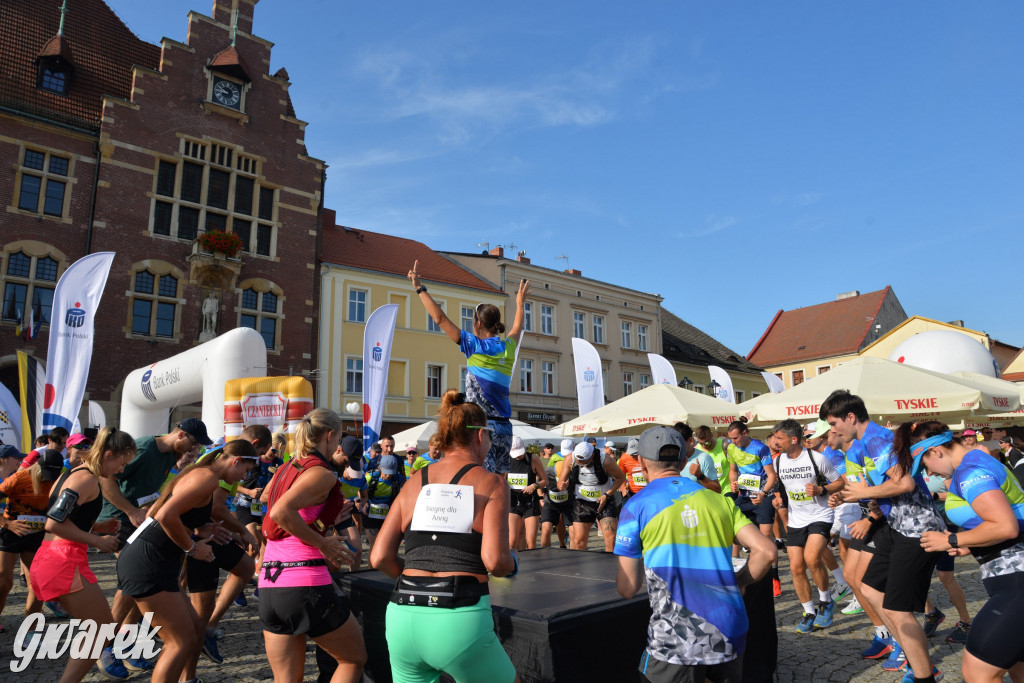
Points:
(662, 370)
(377, 338)
(75, 302)
(589, 376)
(725, 391)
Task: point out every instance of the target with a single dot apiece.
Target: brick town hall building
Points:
(109, 143)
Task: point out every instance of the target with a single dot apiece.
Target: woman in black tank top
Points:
(453, 564)
(178, 525)
(60, 570)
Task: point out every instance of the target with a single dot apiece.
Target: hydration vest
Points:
(283, 480)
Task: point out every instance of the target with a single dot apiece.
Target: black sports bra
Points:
(439, 551)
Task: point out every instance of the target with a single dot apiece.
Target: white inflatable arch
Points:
(200, 373)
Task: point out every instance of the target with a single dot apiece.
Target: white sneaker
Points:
(840, 593)
(853, 607)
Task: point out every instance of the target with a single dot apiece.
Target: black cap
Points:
(352, 447)
(195, 428)
(9, 451)
(51, 463)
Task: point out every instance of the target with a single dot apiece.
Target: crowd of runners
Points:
(865, 514)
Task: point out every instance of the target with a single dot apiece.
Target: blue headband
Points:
(921, 447)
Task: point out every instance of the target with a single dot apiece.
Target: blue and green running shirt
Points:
(489, 365)
(684, 533)
(910, 513)
(750, 460)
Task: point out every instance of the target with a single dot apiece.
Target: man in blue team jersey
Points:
(677, 535)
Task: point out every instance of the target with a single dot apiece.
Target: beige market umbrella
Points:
(892, 392)
(659, 404)
(420, 435)
(1008, 416)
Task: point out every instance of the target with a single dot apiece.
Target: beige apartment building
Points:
(623, 325)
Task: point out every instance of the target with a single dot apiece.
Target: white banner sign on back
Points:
(725, 391)
(589, 376)
(662, 371)
(73, 312)
(10, 418)
(268, 408)
(774, 383)
(377, 338)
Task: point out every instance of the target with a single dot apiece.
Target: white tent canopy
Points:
(419, 435)
(659, 404)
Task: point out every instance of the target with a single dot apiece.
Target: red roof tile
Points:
(230, 62)
(102, 48)
(833, 328)
(378, 252)
(1013, 376)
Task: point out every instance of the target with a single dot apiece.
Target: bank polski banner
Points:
(75, 302)
(377, 338)
(774, 383)
(589, 376)
(725, 391)
(10, 418)
(662, 371)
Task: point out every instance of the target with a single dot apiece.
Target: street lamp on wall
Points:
(714, 386)
(686, 383)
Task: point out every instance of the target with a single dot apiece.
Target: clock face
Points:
(226, 93)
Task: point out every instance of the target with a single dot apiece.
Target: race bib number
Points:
(379, 510)
(517, 482)
(149, 521)
(35, 522)
(718, 469)
(146, 500)
(638, 479)
(799, 496)
(256, 508)
(749, 482)
(444, 507)
(558, 496)
(592, 493)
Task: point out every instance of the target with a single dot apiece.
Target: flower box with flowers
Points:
(217, 241)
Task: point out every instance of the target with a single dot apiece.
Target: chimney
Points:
(328, 218)
(957, 323)
(223, 12)
(497, 251)
(521, 257)
(573, 271)
(848, 295)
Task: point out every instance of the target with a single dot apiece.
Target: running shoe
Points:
(780, 544)
(240, 600)
(908, 676)
(210, 648)
(806, 624)
(853, 607)
(110, 666)
(896, 658)
(826, 612)
(878, 648)
(959, 634)
(776, 588)
(932, 621)
(137, 664)
(840, 593)
(256, 592)
(57, 610)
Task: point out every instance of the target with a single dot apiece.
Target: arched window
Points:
(155, 300)
(261, 309)
(29, 281)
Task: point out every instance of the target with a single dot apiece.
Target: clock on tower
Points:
(227, 93)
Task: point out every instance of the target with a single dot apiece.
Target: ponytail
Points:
(455, 418)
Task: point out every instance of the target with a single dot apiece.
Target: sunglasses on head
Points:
(489, 430)
(81, 446)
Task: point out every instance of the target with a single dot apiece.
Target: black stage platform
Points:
(560, 619)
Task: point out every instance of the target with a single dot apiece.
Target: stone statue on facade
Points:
(211, 310)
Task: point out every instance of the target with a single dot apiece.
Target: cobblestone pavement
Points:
(829, 655)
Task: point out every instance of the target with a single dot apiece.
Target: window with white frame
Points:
(261, 312)
(526, 376)
(353, 375)
(467, 318)
(42, 182)
(357, 305)
(599, 329)
(645, 381)
(435, 376)
(822, 369)
(431, 325)
(462, 379)
(29, 282)
(739, 396)
(547, 319)
(627, 335)
(154, 304)
(528, 316)
(627, 383)
(641, 337)
(547, 377)
(579, 322)
(215, 187)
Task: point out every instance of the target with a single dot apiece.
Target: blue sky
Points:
(736, 158)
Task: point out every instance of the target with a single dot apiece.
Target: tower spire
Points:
(63, 11)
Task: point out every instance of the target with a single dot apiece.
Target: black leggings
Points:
(994, 638)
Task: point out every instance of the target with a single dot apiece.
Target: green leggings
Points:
(426, 641)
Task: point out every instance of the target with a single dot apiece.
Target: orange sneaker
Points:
(776, 588)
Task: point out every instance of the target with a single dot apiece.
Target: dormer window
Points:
(53, 79)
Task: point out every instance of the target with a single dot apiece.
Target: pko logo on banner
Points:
(147, 388)
(378, 353)
(81, 639)
(75, 317)
(588, 375)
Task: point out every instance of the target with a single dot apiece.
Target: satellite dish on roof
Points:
(946, 351)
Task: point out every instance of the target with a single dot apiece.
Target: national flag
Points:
(18, 327)
(31, 323)
(32, 383)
